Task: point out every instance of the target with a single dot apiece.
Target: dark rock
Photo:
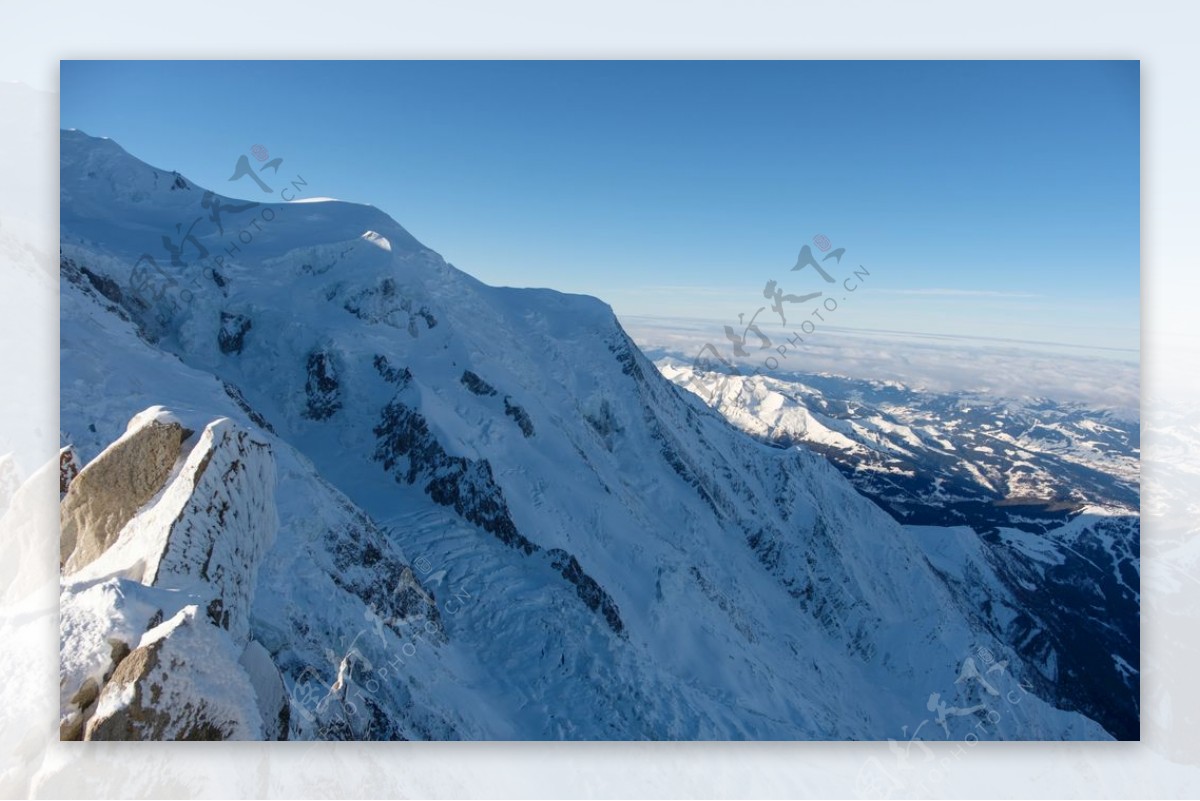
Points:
(321, 387)
(518, 414)
(231, 337)
(477, 384)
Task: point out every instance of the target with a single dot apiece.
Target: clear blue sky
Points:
(999, 198)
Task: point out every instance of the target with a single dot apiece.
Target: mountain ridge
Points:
(635, 567)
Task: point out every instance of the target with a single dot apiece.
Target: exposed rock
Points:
(183, 683)
(368, 568)
(68, 468)
(476, 384)
(104, 285)
(321, 387)
(391, 374)
(231, 337)
(108, 492)
(71, 725)
(209, 530)
(255, 416)
(603, 421)
(100, 623)
(383, 303)
(466, 485)
(590, 592)
(519, 415)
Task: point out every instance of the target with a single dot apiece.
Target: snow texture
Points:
(585, 552)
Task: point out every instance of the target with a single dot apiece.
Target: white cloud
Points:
(1100, 378)
(968, 293)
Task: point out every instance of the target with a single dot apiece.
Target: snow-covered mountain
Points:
(1042, 498)
(941, 458)
(461, 511)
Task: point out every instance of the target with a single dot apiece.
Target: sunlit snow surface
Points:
(1046, 492)
(664, 575)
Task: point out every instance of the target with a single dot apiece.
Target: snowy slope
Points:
(940, 458)
(1048, 492)
(496, 519)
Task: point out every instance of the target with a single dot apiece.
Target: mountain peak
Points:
(496, 519)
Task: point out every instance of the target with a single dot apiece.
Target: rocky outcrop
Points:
(184, 682)
(231, 336)
(385, 303)
(235, 394)
(476, 384)
(411, 453)
(321, 388)
(519, 415)
(589, 591)
(188, 555)
(108, 492)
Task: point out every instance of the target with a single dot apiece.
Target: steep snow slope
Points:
(1049, 490)
(330, 568)
(596, 554)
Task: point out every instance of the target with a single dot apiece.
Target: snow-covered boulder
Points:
(182, 682)
(100, 623)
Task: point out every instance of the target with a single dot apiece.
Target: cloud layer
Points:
(1103, 379)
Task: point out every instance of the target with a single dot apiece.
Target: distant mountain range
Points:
(1046, 496)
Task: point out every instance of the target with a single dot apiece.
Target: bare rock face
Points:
(109, 491)
(183, 683)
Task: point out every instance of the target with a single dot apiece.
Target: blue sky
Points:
(998, 199)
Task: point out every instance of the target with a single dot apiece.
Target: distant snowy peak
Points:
(922, 454)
